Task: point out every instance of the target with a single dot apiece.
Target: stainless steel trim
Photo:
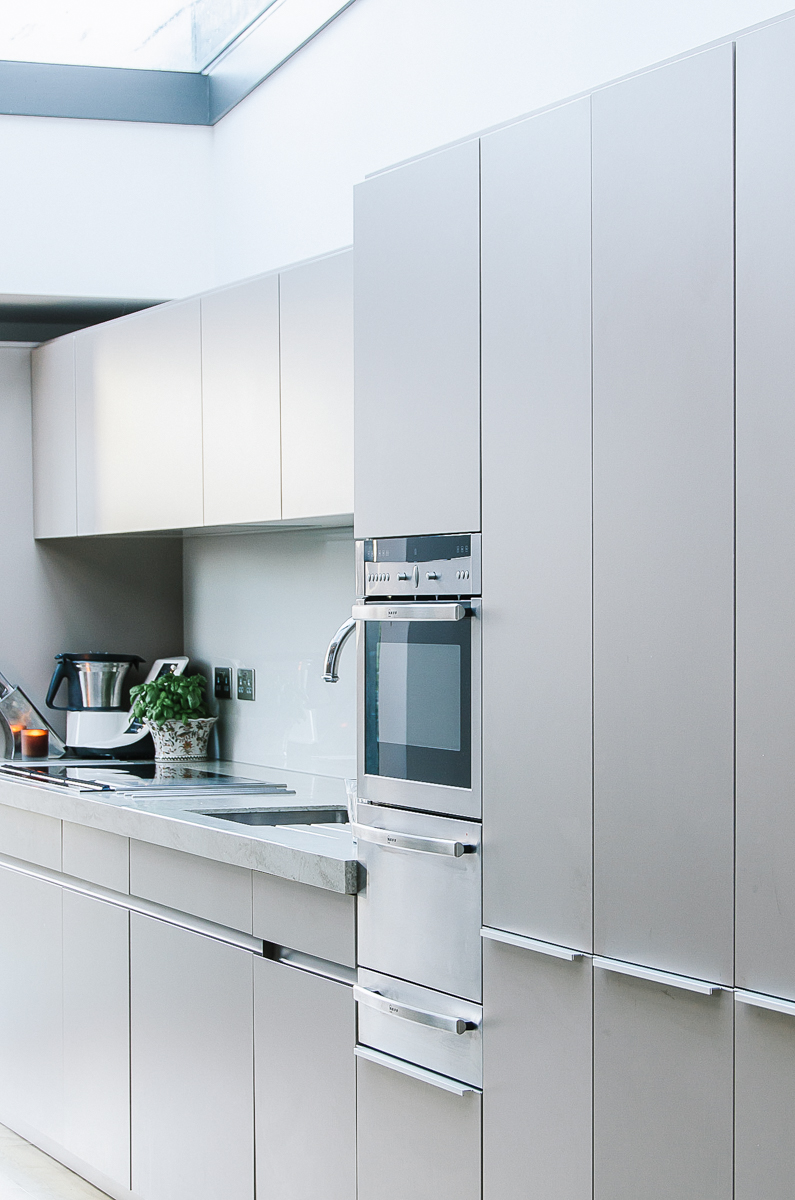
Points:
(420, 1073)
(412, 841)
(335, 648)
(77, 785)
(147, 908)
(666, 978)
(759, 1000)
(419, 611)
(407, 1012)
(526, 943)
(315, 966)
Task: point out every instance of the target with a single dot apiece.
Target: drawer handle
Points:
(526, 943)
(407, 1012)
(667, 978)
(421, 1073)
(411, 841)
(758, 1000)
(409, 612)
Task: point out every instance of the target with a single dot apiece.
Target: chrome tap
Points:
(335, 647)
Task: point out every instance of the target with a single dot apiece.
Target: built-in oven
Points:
(418, 661)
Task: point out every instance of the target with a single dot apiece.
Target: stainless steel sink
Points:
(279, 816)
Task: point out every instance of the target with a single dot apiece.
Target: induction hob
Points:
(144, 778)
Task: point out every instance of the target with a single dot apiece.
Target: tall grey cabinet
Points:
(663, 516)
(416, 347)
(765, 510)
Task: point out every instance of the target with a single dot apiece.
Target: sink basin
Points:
(280, 816)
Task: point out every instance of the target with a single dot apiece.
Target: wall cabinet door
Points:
(139, 435)
(662, 1091)
(240, 403)
(417, 360)
(764, 1103)
(316, 316)
(537, 1046)
(192, 1055)
(305, 1081)
(536, 413)
(663, 517)
(53, 415)
(765, 510)
(31, 1005)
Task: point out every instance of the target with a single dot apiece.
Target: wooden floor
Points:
(26, 1173)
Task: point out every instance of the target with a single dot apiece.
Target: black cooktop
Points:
(120, 776)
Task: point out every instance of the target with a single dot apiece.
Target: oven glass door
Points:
(418, 701)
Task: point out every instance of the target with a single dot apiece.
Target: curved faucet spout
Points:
(334, 649)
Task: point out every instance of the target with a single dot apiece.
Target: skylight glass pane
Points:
(165, 35)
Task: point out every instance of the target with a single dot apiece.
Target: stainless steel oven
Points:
(419, 673)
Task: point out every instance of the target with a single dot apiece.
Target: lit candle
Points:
(35, 743)
(16, 731)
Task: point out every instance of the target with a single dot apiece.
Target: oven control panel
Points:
(437, 565)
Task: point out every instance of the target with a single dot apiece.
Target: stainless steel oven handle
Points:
(439, 611)
(411, 841)
(407, 1012)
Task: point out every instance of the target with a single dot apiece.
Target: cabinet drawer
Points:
(30, 836)
(305, 918)
(96, 856)
(213, 890)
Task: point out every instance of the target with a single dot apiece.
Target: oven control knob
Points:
(403, 575)
(431, 575)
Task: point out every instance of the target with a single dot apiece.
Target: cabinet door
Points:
(537, 1046)
(139, 452)
(240, 403)
(663, 517)
(192, 1056)
(31, 992)
(415, 1139)
(316, 322)
(96, 1024)
(53, 414)
(417, 347)
(305, 1082)
(764, 1103)
(537, 736)
(765, 510)
(662, 1091)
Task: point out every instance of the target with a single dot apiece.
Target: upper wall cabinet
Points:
(316, 308)
(240, 403)
(139, 454)
(54, 469)
(417, 348)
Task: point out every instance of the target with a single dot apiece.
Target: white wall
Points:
(122, 595)
(272, 601)
(104, 208)
(393, 78)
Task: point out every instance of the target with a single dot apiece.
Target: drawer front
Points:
(30, 836)
(305, 918)
(216, 891)
(96, 856)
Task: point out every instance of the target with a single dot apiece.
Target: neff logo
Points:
(393, 1008)
(393, 840)
(391, 612)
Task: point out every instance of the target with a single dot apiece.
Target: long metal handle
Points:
(411, 841)
(414, 1072)
(526, 943)
(440, 611)
(335, 648)
(758, 1000)
(407, 1012)
(667, 978)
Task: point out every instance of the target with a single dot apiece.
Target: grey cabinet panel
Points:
(764, 1102)
(217, 891)
(305, 1080)
(240, 402)
(316, 329)
(413, 1139)
(96, 855)
(53, 416)
(662, 1091)
(663, 517)
(96, 1025)
(765, 510)
(31, 836)
(31, 1004)
(192, 1056)
(536, 415)
(305, 918)
(537, 1045)
(417, 347)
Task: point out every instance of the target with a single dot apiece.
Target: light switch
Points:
(245, 683)
(223, 683)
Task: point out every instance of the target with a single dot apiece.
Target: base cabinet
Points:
(415, 1139)
(305, 1084)
(764, 1100)
(192, 1054)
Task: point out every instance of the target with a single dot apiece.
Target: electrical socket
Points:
(223, 683)
(245, 683)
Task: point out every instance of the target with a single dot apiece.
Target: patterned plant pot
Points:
(176, 740)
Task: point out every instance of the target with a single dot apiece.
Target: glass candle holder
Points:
(35, 743)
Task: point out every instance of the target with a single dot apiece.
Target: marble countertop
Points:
(319, 855)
